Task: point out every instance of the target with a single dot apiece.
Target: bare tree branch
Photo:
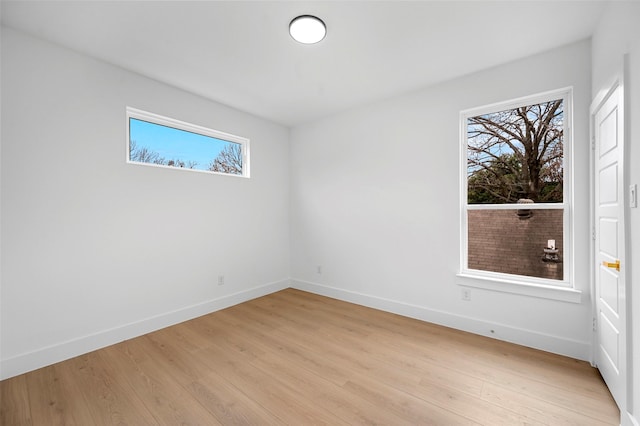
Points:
(229, 160)
(516, 154)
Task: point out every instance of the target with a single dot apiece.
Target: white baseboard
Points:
(65, 350)
(59, 352)
(629, 420)
(533, 339)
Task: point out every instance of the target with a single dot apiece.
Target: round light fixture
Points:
(307, 29)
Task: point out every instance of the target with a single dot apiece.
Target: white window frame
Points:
(531, 286)
(188, 127)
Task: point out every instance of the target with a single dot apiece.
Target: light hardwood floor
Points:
(297, 358)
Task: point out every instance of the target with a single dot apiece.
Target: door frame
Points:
(617, 83)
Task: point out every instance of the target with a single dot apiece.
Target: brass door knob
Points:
(615, 265)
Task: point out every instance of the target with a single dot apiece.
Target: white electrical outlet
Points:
(466, 294)
(220, 279)
(633, 196)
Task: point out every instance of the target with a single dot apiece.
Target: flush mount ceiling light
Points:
(307, 29)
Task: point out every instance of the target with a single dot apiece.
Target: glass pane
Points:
(162, 145)
(516, 154)
(516, 242)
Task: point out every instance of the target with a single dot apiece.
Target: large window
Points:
(165, 142)
(516, 190)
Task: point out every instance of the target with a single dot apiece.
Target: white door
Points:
(610, 294)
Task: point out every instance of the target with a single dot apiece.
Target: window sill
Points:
(563, 294)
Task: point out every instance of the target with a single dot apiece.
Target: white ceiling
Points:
(240, 53)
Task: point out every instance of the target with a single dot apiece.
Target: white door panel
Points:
(608, 179)
(608, 238)
(610, 341)
(609, 133)
(609, 289)
(610, 356)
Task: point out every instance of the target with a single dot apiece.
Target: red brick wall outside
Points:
(500, 241)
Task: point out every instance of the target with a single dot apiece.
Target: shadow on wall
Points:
(504, 241)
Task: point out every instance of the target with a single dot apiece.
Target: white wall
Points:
(95, 250)
(618, 34)
(375, 201)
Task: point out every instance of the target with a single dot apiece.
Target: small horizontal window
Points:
(165, 142)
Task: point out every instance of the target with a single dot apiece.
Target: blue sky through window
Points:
(175, 144)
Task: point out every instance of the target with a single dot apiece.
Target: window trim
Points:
(541, 287)
(161, 120)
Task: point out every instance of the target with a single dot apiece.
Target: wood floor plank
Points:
(537, 409)
(291, 350)
(227, 404)
(281, 400)
(177, 362)
(110, 401)
(407, 407)
(222, 327)
(168, 401)
(480, 410)
(15, 408)
(60, 402)
(294, 357)
(340, 402)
